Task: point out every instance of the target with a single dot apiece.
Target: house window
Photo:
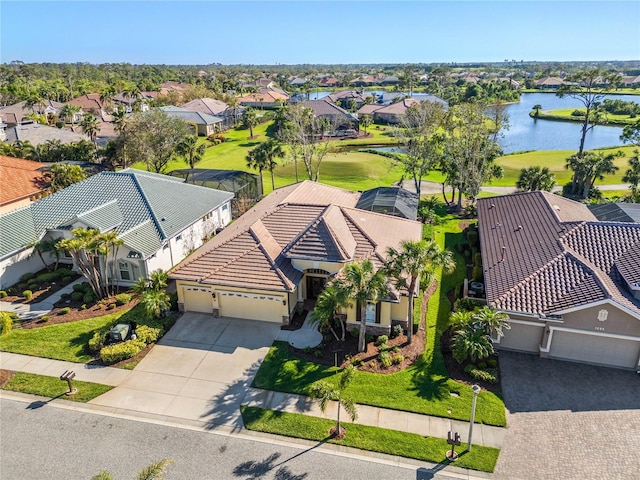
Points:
(178, 238)
(372, 312)
(128, 271)
(225, 207)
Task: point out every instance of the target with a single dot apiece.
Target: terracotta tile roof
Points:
(20, 179)
(210, 106)
(306, 220)
(90, 101)
(265, 95)
(543, 253)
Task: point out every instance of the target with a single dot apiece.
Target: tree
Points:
(106, 95)
(472, 343)
(46, 246)
(90, 126)
(361, 282)
(589, 87)
(63, 175)
(155, 471)
(537, 107)
(90, 251)
(327, 392)
(153, 137)
(419, 134)
(153, 296)
(250, 120)
(330, 300)
(263, 158)
(190, 151)
(69, 113)
(492, 322)
(588, 168)
(365, 122)
(631, 134)
(536, 178)
(407, 264)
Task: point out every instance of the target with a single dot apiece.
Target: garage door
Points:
(522, 337)
(251, 306)
(615, 352)
(198, 300)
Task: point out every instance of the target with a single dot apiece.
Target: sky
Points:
(327, 32)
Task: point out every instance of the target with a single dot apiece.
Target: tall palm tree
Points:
(90, 126)
(68, 112)
(408, 263)
(361, 282)
(250, 119)
(327, 392)
(327, 305)
(272, 149)
(190, 151)
(536, 178)
(258, 161)
(106, 95)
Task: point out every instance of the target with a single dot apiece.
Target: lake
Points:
(526, 133)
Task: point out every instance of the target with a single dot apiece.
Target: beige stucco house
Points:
(569, 282)
(284, 250)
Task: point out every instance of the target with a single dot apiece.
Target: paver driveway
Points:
(198, 372)
(568, 420)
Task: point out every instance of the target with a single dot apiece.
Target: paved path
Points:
(306, 336)
(569, 420)
(27, 311)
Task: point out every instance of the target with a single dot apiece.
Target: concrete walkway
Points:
(306, 336)
(27, 311)
(424, 425)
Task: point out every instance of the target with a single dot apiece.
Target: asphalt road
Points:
(52, 443)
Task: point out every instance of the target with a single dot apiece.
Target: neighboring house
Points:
(368, 109)
(205, 124)
(340, 120)
(160, 220)
(264, 83)
(15, 114)
(344, 98)
(125, 101)
(393, 113)
(89, 103)
(549, 83)
(390, 80)
(569, 282)
(22, 183)
(172, 86)
(329, 82)
(265, 98)
(216, 108)
(284, 250)
(298, 82)
(38, 134)
(631, 81)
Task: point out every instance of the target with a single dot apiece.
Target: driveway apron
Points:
(198, 373)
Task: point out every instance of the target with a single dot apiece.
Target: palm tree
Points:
(258, 161)
(191, 151)
(327, 305)
(272, 149)
(362, 283)
(407, 264)
(68, 112)
(536, 178)
(491, 321)
(327, 392)
(250, 119)
(90, 126)
(632, 176)
(155, 303)
(472, 343)
(537, 107)
(106, 95)
(38, 247)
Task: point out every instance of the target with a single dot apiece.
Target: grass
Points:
(375, 439)
(564, 115)
(65, 341)
(53, 387)
(422, 388)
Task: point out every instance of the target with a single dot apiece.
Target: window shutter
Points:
(378, 308)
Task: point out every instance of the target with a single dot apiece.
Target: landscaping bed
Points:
(41, 284)
(56, 316)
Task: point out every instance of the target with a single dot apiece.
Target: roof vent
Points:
(163, 219)
(556, 207)
(519, 228)
(493, 205)
(504, 251)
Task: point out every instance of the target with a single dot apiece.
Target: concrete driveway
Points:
(198, 372)
(569, 420)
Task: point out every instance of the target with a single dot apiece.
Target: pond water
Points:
(526, 133)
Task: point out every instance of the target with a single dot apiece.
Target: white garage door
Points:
(198, 300)
(522, 337)
(594, 349)
(251, 306)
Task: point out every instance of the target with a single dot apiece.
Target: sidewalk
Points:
(424, 425)
(27, 311)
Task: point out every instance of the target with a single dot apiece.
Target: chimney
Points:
(504, 251)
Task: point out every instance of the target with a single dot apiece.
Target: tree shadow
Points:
(427, 384)
(249, 144)
(258, 469)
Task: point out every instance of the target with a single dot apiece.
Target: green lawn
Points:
(65, 341)
(564, 114)
(53, 387)
(422, 388)
(375, 439)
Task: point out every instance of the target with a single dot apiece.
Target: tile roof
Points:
(266, 95)
(307, 220)
(88, 102)
(143, 207)
(20, 179)
(38, 134)
(543, 253)
(324, 108)
(191, 116)
(210, 106)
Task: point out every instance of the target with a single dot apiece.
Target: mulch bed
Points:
(40, 294)
(5, 376)
(92, 311)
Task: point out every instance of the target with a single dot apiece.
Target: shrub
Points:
(83, 306)
(489, 375)
(468, 369)
(396, 331)
(6, 323)
(397, 359)
(477, 259)
(96, 342)
(45, 318)
(307, 350)
(395, 349)
(467, 304)
(472, 237)
(27, 294)
(318, 353)
(385, 359)
(368, 338)
(47, 277)
(577, 113)
(3, 294)
(27, 276)
(477, 274)
(65, 310)
(111, 306)
(77, 296)
(354, 332)
(78, 287)
(123, 298)
(33, 286)
(121, 351)
(381, 340)
(88, 298)
(173, 300)
(65, 273)
(148, 334)
(492, 363)
(482, 365)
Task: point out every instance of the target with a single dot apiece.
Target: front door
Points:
(315, 285)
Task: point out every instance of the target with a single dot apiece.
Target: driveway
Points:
(569, 420)
(198, 372)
